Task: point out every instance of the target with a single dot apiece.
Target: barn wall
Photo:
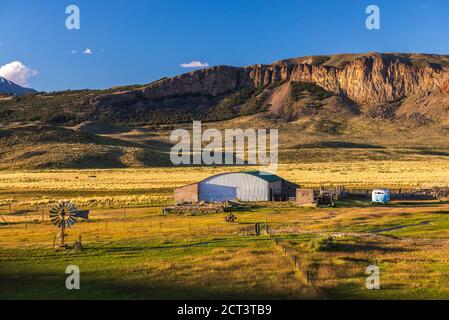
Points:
(276, 186)
(187, 194)
(289, 189)
(234, 186)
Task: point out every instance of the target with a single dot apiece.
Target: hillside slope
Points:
(327, 108)
(40, 146)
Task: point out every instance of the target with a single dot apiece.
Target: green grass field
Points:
(141, 254)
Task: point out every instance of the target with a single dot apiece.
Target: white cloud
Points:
(195, 64)
(17, 72)
(87, 51)
(74, 51)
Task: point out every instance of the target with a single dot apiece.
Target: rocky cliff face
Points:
(380, 86)
(366, 79)
(212, 81)
(375, 79)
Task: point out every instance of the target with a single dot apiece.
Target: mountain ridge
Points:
(366, 79)
(379, 85)
(9, 87)
(370, 107)
(397, 70)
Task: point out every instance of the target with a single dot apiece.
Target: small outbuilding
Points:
(249, 186)
(305, 197)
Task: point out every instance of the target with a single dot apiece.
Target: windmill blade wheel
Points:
(63, 214)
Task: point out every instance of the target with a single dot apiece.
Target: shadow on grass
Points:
(363, 247)
(170, 246)
(441, 212)
(424, 223)
(353, 203)
(136, 285)
(397, 204)
(22, 212)
(356, 260)
(408, 204)
(337, 145)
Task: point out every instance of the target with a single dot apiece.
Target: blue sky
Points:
(138, 41)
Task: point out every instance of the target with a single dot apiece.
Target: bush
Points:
(330, 127)
(325, 243)
(298, 90)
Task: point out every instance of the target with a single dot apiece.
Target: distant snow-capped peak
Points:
(10, 87)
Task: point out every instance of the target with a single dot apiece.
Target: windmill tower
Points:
(63, 215)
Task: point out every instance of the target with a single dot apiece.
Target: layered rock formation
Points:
(376, 85)
(367, 79)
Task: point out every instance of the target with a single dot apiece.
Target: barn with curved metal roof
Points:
(250, 186)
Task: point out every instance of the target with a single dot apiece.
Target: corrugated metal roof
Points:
(264, 176)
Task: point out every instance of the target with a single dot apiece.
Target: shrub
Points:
(325, 243)
(298, 89)
(330, 127)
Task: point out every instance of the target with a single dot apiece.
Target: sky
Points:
(139, 41)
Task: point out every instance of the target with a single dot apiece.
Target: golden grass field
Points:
(132, 251)
(154, 186)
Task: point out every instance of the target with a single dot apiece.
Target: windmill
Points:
(64, 214)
